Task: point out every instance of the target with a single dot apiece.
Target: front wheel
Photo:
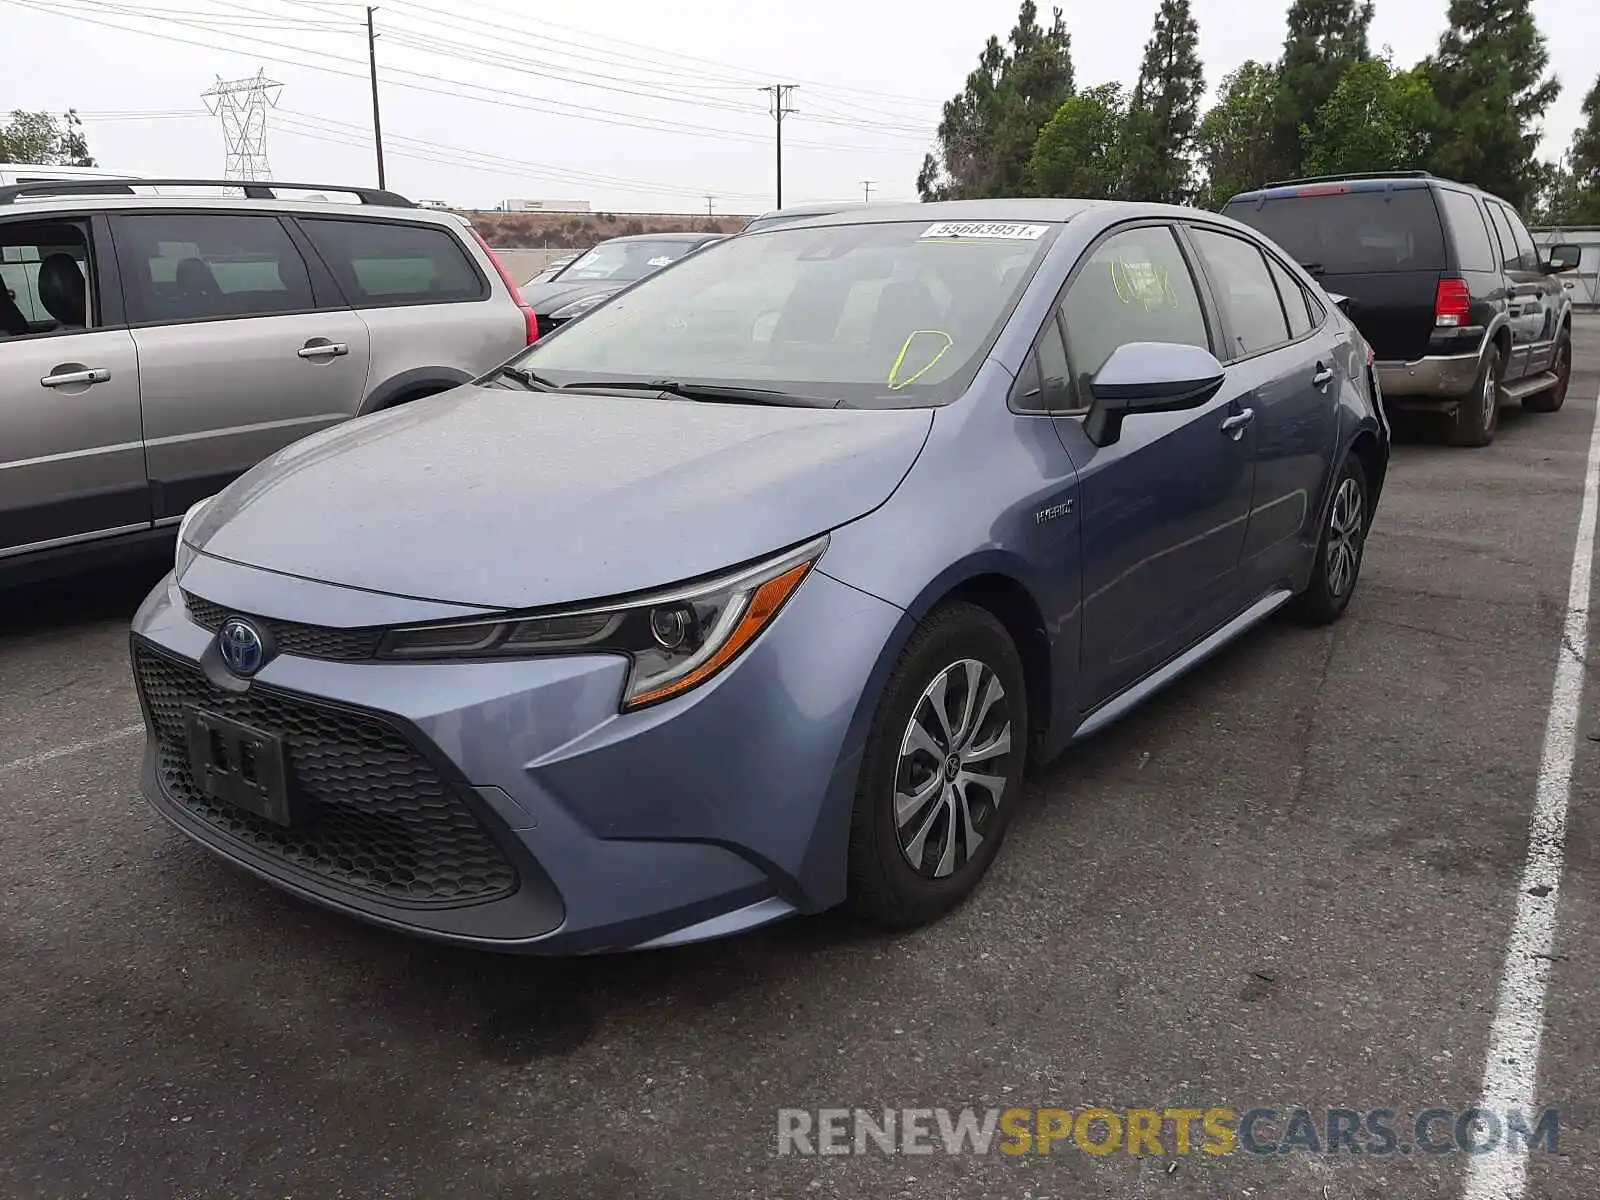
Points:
(1339, 550)
(942, 770)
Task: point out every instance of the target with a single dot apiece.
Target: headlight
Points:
(578, 307)
(185, 552)
(676, 639)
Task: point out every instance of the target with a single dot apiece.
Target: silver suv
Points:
(155, 347)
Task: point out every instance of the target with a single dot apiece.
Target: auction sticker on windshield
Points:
(1004, 230)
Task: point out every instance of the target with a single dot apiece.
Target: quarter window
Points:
(387, 262)
(1134, 287)
(1474, 251)
(1245, 291)
(1508, 244)
(198, 267)
(1294, 299)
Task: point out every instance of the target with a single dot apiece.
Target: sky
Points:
(630, 105)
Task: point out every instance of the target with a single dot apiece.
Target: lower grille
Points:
(379, 818)
(289, 637)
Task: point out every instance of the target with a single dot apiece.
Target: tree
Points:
(1165, 109)
(1488, 74)
(1325, 38)
(40, 137)
(1377, 119)
(1235, 137)
(1583, 160)
(987, 132)
(1079, 152)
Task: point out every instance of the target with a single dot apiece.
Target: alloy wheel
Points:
(1563, 371)
(954, 761)
(1491, 399)
(1346, 528)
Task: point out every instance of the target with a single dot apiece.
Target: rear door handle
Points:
(82, 375)
(1234, 426)
(324, 350)
(1323, 375)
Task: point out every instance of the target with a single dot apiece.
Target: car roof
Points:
(1053, 210)
(45, 204)
(663, 237)
(1395, 181)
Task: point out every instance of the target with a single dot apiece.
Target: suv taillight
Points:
(511, 286)
(1451, 303)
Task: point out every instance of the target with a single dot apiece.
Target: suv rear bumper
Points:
(1435, 375)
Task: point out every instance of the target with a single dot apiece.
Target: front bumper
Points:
(508, 805)
(1436, 376)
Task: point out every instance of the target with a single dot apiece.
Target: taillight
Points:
(511, 286)
(1451, 303)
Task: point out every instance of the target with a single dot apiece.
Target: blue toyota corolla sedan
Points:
(755, 591)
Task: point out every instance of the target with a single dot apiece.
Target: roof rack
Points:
(1351, 175)
(253, 189)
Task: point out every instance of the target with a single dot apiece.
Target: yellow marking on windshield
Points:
(899, 359)
(1142, 283)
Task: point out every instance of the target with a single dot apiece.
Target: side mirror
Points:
(1149, 377)
(1563, 257)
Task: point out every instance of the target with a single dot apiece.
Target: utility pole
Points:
(709, 199)
(780, 108)
(866, 190)
(372, 63)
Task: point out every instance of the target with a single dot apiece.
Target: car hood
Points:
(547, 297)
(511, 499)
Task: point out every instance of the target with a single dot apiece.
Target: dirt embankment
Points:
(531, 230)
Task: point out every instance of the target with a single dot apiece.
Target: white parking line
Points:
(44, 756)
(1511, 1070)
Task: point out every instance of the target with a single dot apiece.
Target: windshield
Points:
(897, 314)
(623, 261)
(1346, 233)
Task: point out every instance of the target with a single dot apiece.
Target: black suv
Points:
(1444, 282)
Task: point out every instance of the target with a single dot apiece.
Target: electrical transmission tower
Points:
(241, 105)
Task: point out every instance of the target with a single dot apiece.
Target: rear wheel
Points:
(1339, 550)
(1478, 415)
(942, 770)
(1554, 396)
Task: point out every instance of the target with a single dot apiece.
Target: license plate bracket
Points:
(239, 765)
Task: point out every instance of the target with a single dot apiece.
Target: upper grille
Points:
(379, 817)
(290, 637)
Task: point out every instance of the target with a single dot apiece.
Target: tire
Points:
(1552, 398)
(1478, 415)
(905, 873)
(1340, 549)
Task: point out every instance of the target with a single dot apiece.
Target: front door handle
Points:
(1323, 375)
(71, 374)
(1234, 426)
(323, 350)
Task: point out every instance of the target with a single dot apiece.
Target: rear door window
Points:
(389, 262)
(1527, 255)
(1350, 233)
(1474, 250)
(198, 267)
(1245, 290)
(1294, 299)
(1508, 244)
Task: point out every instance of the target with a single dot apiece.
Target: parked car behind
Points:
(795, 212)
(219, 330)
(729, 622)
(598, 274)
(1445, 282)
(551, 269)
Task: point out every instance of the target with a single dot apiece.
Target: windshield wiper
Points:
(715, 392)
(531, 380)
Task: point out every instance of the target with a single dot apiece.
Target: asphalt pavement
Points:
(1289, 881)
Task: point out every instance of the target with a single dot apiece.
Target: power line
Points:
(500, 98)
(779, 94)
